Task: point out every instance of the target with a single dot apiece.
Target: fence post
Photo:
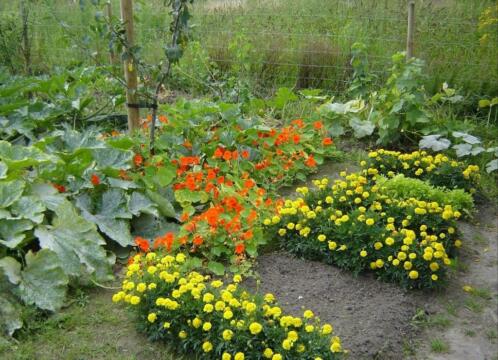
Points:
(25, 37)
(411, 29)
(130, 71)
(112, 54)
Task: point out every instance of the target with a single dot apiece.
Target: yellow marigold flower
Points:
(227, 335)
(237, 278)
(255, 328)
(322, 237)
(332, 245)
(276, 357)
(291, 226)
(208, 308)
(335, 347)
(379, 263)
(180, 258)
(226, 356)
(275, 219)
(389, 241)
(166, 325)
(152, 270)
(434, 266)
(207, 326)
(266, 222)
(369, 221)
(458, 243)
(413, 274)
(282, 232)
(468, 288)
(227, 314)
(268, 353)
(308, 314)
(152, 317)
(196, 323)
(395, 262)
(134, 300)
(363, 253)
(434, 277)
(182, 334)
(407, 265)
(378, 245)
(309, 328)
(239, 356)
(287, 344)
(327, 329)
(269, 298)
(207, 346)
(141, 287)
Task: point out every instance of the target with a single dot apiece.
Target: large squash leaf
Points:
(17, 157)
(43, 281)
(10, 191)
(76, 242)
(13, 231)
(111, 215)
(10, 315)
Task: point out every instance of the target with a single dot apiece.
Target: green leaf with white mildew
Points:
(3, 170)
(10, 315)
(139, 203)
(43, 281)
(13, 231)
(10, 191)
(164, 205)
(18, 157)
(361, 128)
(434, 142)
(30, 208)
(112, 158)
(10, 269)
(77, 243)
(109, 214)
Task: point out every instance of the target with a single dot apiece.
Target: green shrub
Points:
(401, 187)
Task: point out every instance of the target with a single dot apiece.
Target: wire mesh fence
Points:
(277, 43)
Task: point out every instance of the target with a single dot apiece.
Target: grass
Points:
(473, 305)
(285, 42)
(492, 334)
(91, 328)
(439, 346)
(439, 321)
(469, 332)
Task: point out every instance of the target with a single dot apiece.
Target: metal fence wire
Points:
(281, 42)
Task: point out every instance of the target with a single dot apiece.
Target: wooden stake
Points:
(130, 71)
(411, 29)
(112, 54)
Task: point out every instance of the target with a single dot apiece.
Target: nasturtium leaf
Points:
(13, 231)
(76, 242)
(122, 142)
(165, 175)
(188, 196)
(484, 103)
(216, 267)
(43, 281)
(434, 142)
(10, 315)
(10, 191)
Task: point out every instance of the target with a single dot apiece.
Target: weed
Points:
(439, 346)
(469, 332)
(473, 305)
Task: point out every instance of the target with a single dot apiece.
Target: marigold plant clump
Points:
(353, 224)
(438, 170)
(213, 320)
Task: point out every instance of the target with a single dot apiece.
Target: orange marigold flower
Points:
(95, 180)
(327, 141)
(245, 154)
(318, 125)
(163, 119)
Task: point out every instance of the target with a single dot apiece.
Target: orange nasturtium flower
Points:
(310, 161)
(95, 180)
(239, 249)
(142, 243)
(327, 141)
(138, 160)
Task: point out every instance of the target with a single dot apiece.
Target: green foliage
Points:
(401, 187)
